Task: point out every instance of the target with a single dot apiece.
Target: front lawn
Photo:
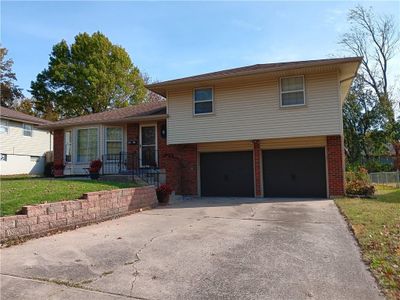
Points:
(376, 224)
(17, 192)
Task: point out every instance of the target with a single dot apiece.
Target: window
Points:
(3, 157)
(292, 91)
(35, 158)
(87, 144)
(27, 129)
(113, 142)
(68, 146)
(4, 126)
(203, 101)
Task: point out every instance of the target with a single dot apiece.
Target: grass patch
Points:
(376, 225)
(18, 192)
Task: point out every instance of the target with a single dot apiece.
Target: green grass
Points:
(376, 225)
(20, 191)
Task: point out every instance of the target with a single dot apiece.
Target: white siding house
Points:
(22, 144)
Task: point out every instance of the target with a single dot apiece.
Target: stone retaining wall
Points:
(41, 219)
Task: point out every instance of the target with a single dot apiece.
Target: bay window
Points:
(68, 146)
(87, 144)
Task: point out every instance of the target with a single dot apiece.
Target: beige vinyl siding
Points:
(225, 146)
(14, 142)
(287, 143)
(250, 109)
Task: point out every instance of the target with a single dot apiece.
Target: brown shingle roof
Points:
(253, 69)
(155, 108)
(12, 114)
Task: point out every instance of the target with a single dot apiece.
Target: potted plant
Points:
(94, 168)
(163, 194)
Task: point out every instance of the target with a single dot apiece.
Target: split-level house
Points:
(272, 130)
(22, 143)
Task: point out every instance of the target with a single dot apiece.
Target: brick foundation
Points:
(42, 219)
(58, 142)
(179, 163)
(257, 168)
(334, 149)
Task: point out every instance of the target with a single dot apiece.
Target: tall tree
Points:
(376, 39)
(91, 75)
(9, 90)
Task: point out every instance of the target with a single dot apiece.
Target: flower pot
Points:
(163, 199)
(94, 175)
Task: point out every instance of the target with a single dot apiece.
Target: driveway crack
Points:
(138, 259)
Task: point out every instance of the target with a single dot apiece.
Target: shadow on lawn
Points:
(390, 197)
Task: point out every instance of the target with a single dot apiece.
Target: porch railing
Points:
(142, 164)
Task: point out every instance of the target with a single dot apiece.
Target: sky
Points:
(170, 40)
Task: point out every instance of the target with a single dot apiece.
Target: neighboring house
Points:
(271, 130)
(22, 144)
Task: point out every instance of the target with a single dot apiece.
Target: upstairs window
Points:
(203, 101)
(292, 91)
(27, 129)
(4, 126)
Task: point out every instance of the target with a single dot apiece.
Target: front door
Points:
(148, 146)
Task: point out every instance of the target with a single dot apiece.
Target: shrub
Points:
(95, 166)
(358, 183)
(49, 169)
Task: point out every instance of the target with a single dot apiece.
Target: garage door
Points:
(227, 174)
(294, 173)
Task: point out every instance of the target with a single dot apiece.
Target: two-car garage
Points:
(292, 172)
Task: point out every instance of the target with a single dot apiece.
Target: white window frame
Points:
(202, 101)
(3, 157)
(77, 148)
(294, 91)
(65, 146)
(106, 140)
(24, 130)
(5, 126)
(140, 142)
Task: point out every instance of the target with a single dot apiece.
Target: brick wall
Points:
(41, 219)
(58, 139)
(335, 165)
(257, 168)
(132, 133)
(180, 164)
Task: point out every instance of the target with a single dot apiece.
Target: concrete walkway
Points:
(197, 249)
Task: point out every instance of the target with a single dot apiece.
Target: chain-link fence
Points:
(389, 178)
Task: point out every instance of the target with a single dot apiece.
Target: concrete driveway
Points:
(197, 249)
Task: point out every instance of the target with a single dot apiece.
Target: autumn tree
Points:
(10, 92)
(370, 108)
(91, 75)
